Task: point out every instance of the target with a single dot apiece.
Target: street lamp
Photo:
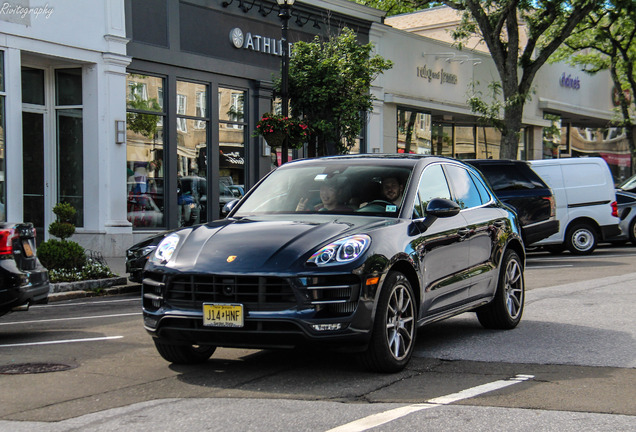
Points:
(284, 15)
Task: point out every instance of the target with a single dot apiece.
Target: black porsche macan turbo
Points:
(356, 252)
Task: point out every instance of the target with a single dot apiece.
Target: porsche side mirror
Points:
(227, 208)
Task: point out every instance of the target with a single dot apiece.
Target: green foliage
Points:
(91, 271)
(296, 130)
(63, 227)
(142, 123)
(61, 230)
(329, 83)
(61, 254)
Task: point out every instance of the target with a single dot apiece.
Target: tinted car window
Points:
(465, 192)
(624, 199)
(509, 177)
(483, 191)
(432, 185)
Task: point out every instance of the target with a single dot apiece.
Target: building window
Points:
(232, 139)
(69, 123)
(182, 101)
(414, 132)
(3, 190)
(145, 151)
(192, 148)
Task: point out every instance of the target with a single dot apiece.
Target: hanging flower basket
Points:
(275, 139)
(275, 128)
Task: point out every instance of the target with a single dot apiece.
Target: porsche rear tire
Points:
(505, 310)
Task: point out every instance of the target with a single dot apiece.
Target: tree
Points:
(517, 60)
(606, 40)
(329, 83)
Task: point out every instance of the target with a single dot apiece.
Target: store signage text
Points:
(570, 82)
(257, 43)
(441, 76)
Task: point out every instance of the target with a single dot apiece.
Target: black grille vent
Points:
(257, 293)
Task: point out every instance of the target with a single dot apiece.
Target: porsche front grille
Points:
(257, 293)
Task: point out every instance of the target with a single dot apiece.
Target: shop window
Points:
(32, 86)
(414, 132)
(192, 145)
(3, 191)
(145, 151)
(182, 102)
(232, 139)
(465, 142)
(70, 143)
(442, 140)
(488, 142)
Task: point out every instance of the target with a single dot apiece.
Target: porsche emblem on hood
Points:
(231, 258)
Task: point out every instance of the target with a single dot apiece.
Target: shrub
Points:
(61, 254)
(63, 228)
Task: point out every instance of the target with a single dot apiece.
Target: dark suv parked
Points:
(516, 184)
(23, 280)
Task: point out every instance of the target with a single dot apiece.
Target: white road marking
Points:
(539, 266)
(50, 305)
(70, 319)
(61, 341)
(387, 416)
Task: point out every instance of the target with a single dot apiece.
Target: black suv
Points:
(23, 280)
(516, 184)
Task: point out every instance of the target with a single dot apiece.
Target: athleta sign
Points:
(256, 43)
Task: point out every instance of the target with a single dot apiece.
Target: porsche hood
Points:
(259, 244)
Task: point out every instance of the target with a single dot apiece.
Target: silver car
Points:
(627, 213)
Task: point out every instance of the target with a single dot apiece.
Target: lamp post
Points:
(284, 15)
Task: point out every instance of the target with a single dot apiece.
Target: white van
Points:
(585, 200)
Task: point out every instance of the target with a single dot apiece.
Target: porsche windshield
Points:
(331, 188)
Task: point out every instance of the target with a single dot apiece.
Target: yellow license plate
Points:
(222, 315)
(27, 249)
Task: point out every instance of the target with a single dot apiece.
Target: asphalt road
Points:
(570, 365)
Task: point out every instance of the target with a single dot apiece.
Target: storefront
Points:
(200, 78)
(59, 99)
(422, 105)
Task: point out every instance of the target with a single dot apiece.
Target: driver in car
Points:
(391, 190)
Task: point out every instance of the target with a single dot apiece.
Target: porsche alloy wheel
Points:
(394, 328)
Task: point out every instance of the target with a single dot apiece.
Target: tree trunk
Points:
(510, 134)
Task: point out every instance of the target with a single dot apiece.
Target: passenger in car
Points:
(332, 199)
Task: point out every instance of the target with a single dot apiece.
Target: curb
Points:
(114, 290)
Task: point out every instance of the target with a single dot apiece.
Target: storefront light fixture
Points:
(285, 2)
(120, 131)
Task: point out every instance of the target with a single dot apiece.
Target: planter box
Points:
(87, 285)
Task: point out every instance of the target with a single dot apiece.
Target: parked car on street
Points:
(627, 215)
(586, 203)
(23, 280)
(353, 252)
(629, 185)
(517, 185)
(137, 255)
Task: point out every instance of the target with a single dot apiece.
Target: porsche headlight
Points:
(166, 248)
(341, 251)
